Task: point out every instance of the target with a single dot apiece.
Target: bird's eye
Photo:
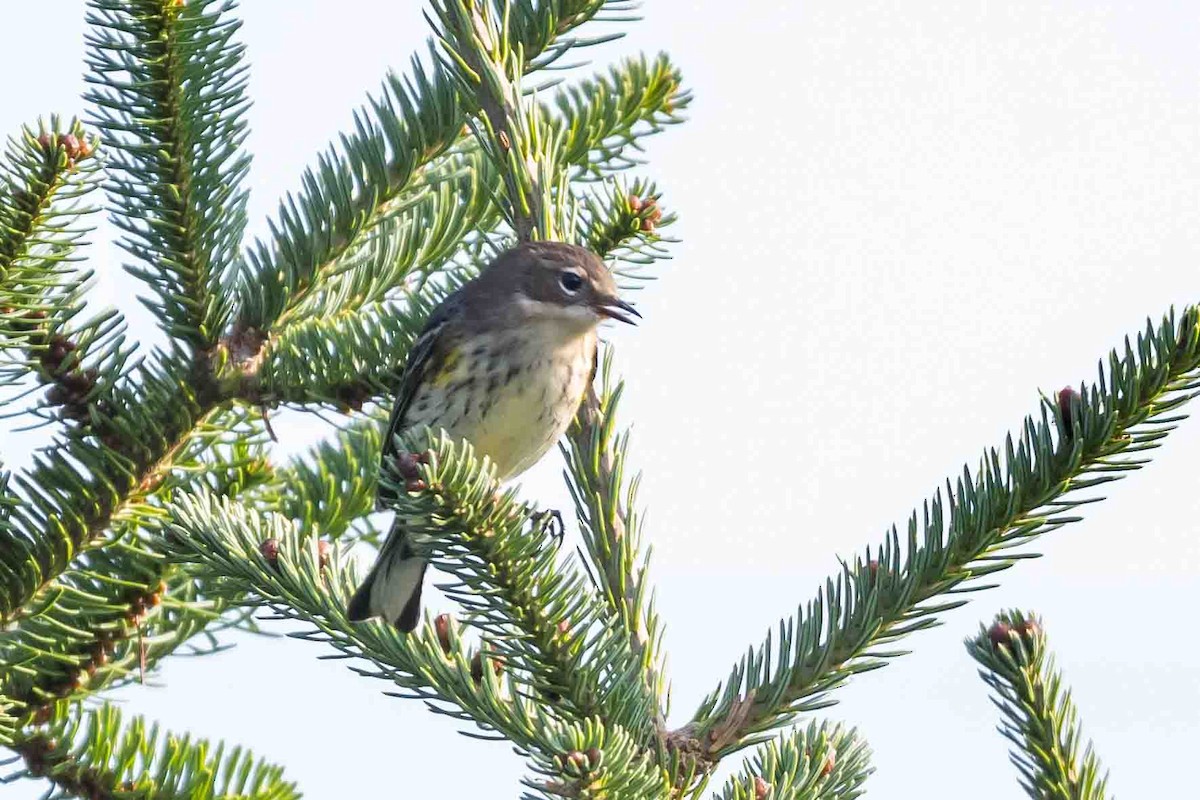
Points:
(571, 282)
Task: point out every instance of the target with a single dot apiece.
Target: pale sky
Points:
(899, 222)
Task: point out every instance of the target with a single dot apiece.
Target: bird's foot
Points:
(551, 522)
(408, 467)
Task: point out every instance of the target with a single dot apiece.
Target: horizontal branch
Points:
(541, 617)
(251, 558)
(93, 753)
(113, 614)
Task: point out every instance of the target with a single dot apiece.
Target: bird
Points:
(503, 362)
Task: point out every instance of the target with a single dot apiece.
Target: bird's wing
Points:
(425, 356)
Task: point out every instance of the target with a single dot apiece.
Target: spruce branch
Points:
(601, 102)
(168, 83)
(820, 762)
(541, 617)
(44, 177)
(331, 486)
(95, 754)
(72, 494)
(259, 560)
(477, 51)
(351, 342)
(347, 359)
(423, 229)
(595, 458)
(43, 174)
(113, 615)
(970, 533)
(590, 761)
(352, 188)
(451, 198)
(1039, 717)
(624, 222)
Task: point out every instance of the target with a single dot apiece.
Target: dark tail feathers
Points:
(392, 588)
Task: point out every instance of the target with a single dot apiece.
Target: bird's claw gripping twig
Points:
(552, 523)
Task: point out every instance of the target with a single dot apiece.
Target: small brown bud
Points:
(762, 789)
(564, 627)
(270, 550)
(635, 203)
(505, 142)
(46, 141)
(830, 763)
(1029, 628)
(652, 214)
(75, 383)
(324, 553)
(593, 755)
(415, 485)
(577, 760)
(408, 465)
(873, 568)
(99, 655)
(60, 346)
(477, 667)
(56, 395)
(1066, 396)
(70, 143)
(441, 625)
(999, 632)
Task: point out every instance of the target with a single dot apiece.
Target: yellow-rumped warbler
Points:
(503, 363)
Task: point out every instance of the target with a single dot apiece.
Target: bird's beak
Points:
(618, 309)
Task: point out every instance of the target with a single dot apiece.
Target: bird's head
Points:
(563, 282)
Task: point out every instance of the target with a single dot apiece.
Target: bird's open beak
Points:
(618, 309)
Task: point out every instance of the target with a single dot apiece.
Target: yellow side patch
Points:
(449, 368)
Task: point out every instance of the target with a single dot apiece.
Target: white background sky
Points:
(899, 222)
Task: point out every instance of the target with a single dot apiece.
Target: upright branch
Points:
(1039, 717)
(478, 52)
(820, 762)
(44, 176)
(169, 92)
(604, 504)
(354, 187)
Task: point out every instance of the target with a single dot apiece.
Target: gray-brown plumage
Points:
(503, 363)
